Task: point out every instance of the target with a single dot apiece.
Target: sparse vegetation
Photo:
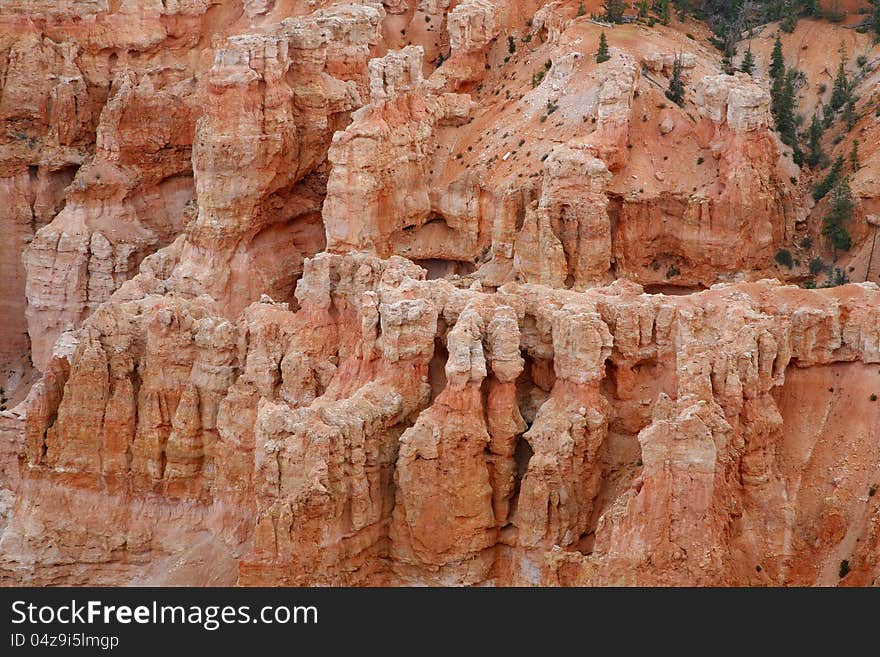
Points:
(874, 21)
(839, 213)
(602, 55)
(782, 107)
(783, 257)
(777, 61)
(849, 114)
(817, 265)
(511, 45)
(815, 154)
(613, 10)
(840, 92)
(834, 13)
(664, 10)
(675, 92)
(789, 12)
(748, 63)
(824, 186)
(837, 277)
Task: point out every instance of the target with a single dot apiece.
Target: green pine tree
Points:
(825, 185)
(840, 90)
(840, 208)
(782, 107)
(777, 61)
(675, 92)
(664, 11)
(854, 156)
(602, 55)
(810, 7)
(683, 8)
(789, 16)
(849, 114)
(643, 8)
(816, 155)
(581, 10)
(834, 13)
(613, 10)
(748, 62)
(875, 19)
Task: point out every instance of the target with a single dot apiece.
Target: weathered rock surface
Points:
(539, 419)
(373, 294)
(99, 96)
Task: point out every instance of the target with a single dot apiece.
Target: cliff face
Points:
(311, 307)
(585, 180)
(558, 433)
(95, 155)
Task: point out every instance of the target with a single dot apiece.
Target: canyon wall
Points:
(602, 437)
(380, 294)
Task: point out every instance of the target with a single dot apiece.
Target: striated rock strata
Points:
(558, 432)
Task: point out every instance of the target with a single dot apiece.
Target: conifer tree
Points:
(782, 107)
(827, 117)
(809, 7)
(849, 113)
(854, 156)
(675, 92)
(835, 13)
(748, 63)
(613, 10)
(829, 181)
(789, 16)
(602, 55)
(816, 155)
(664, 10)
(777, 61)
(839, 213)
(875, 19)
(840, 90)
(683, 8)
